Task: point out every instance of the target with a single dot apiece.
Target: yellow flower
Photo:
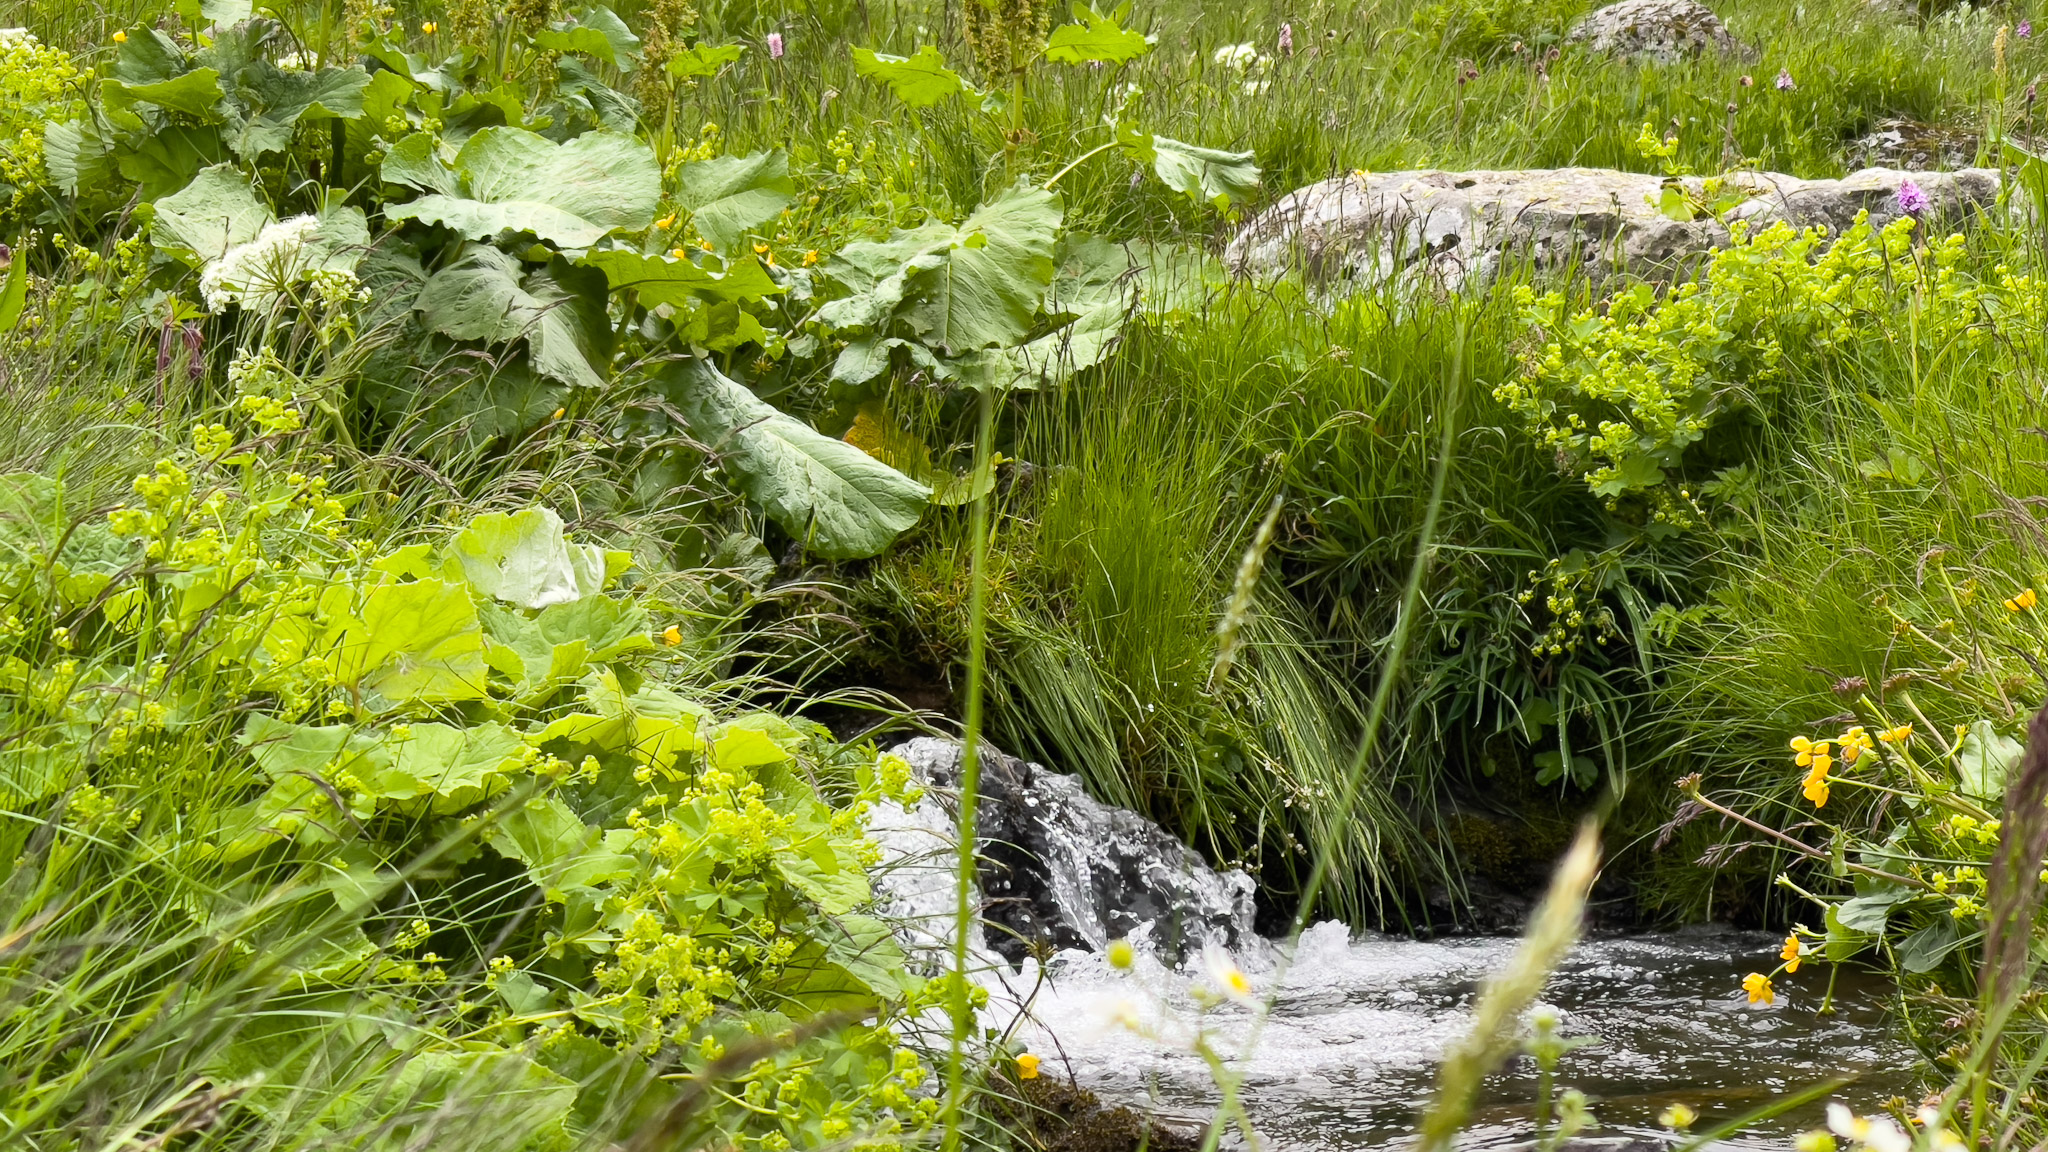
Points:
(704, 244)
(1758, 986)
(558, 414)
(1677, 1116)
(120, 37)
(810, 257)
(2024, 600)
(1027, 1066)
(666, 222)
(430, 28)
(1790, 954)
(1810, 750)
(1855, 742)
(679, 254)
(1816, 786)
(1120, 954)
(760, 249)
(1897, 735)
(672, 636)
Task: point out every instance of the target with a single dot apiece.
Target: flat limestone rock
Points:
(1655, 31)
(1368, 227)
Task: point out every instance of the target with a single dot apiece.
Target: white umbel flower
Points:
(257, 273)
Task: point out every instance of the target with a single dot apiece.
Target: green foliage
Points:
(267, 726)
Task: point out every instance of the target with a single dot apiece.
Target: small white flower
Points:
(292, 62)
(1875, 1134)
(1238, 57)
(1256, 87)
(1228, 978)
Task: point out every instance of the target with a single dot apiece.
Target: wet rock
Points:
(1068, 1118)
(1059, 869)
(1911, 144)
(1655, 31)
(1367, 227)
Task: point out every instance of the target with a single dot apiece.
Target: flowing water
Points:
(1347, 1056)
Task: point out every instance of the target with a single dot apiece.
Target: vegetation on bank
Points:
(462, 457)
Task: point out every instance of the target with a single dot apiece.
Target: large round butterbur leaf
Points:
(836, 499)
(571, 195)
(215, 212)
(524, 558)
(558, 311)
(727, 195)
(1096, 38)
(920, 81)
(988, 291)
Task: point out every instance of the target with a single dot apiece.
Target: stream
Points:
(1347, 1057)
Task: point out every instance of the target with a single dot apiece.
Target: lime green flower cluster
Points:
(38, 83)
(1621, 389)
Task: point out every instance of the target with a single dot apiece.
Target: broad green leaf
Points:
(524, 558)
(1868, 913)
(14, 293)
(839, 501)
(558, 849)
(196, 94)
(989, 288)
(212, 214)
(1095, 38)
(278, 100)
(167, 159)
(1096, 285)
(457, 766)
(413, 641)
(148, 56)
(1926, 948)
(1984, 760)
(702, 60)
(920, 81)
(29, 773)
(596, 32)
(675, 281)
(282, 749)
(76, 157)
(415, 162)
(571, 195)
(727, 195)
(869, 951)
(1204, 174)
(738, 749)
(559, 645)
(1844, 942)
(559, 311)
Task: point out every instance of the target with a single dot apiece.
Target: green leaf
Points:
(558, 849)
(76, 157)
(212, 214)
(1204, 174)
(1095, 38)
(278, 100)
(988, 290)
(14, 293)
(702, 60)
(675, 281)
(415, 162)
(920, 81)
(457, 766)
(1095, 285)
(727, 195)
(414, 641)
(571, 195)
(596, 32)
(1925, 949)
(839, 501)
(1868, 913)
(284, 749)
(196, 94)
(524, 558)
(1984, 760)
(559, 311)
(1844, 942)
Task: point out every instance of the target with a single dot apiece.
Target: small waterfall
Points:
(1058, 869)
(1345, 1057)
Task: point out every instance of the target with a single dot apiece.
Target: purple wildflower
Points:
(2025, 31)
(1785, 82)
(775, 45)
(1912, 201)
(1287, 39)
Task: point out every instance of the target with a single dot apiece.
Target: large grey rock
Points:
(1655, 31)
(1057, 868)
(1366, 227)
